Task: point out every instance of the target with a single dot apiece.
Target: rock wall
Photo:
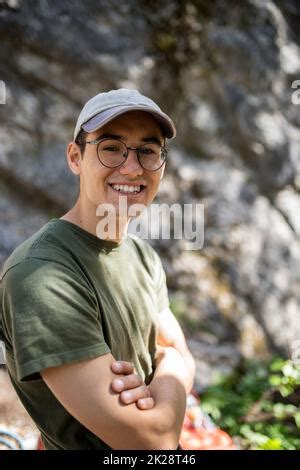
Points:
(224, 71)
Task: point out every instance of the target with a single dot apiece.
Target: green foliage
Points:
(259, 405)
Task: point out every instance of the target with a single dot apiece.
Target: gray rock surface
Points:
(224, 71)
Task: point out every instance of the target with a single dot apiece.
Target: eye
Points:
(146, 150)
(111, 148)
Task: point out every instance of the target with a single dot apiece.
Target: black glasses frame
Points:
(163, 148)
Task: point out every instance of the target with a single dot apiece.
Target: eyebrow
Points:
(107, 135)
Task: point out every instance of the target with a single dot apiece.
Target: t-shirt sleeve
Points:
(51, 316)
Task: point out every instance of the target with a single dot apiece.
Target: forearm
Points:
(84, 390)
(168, 388)
(170, 334)
(189, 362)
(190, 368)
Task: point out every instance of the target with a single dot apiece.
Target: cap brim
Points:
(104, 117)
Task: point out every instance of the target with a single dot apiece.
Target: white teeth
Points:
(126, 189)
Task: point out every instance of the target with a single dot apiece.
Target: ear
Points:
(74, 158)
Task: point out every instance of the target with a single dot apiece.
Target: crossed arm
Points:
(89, 391)
(170, 334)
(131, 387)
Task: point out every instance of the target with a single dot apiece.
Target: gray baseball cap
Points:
(105, 107)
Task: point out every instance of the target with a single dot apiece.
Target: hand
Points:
(130, 386)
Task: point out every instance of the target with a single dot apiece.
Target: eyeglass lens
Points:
(112, 153)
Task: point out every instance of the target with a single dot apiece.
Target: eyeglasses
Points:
(113, 153)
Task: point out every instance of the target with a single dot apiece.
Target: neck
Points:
(107, 227)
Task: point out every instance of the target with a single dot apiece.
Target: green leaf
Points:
(277, 364)
(271, 444)
(297, 419)
(275, 380)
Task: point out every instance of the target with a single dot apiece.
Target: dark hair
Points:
(80, 140)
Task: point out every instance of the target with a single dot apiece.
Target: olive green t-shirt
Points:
(67, 296)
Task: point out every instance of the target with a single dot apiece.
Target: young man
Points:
(92, 349)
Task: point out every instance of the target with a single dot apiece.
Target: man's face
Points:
(97, 182)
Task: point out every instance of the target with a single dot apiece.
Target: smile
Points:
(127, 189)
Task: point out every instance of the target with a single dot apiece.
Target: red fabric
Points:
(40, 445)
(199, 432)
(201, 439)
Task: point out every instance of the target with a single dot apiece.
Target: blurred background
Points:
(226, 71)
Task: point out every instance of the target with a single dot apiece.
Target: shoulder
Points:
(46, 248)
(33, 276)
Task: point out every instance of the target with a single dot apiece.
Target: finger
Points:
(135, 394)
(127, 382)
(122, 367)
(145, 403)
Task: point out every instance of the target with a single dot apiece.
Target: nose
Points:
(131, 166)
